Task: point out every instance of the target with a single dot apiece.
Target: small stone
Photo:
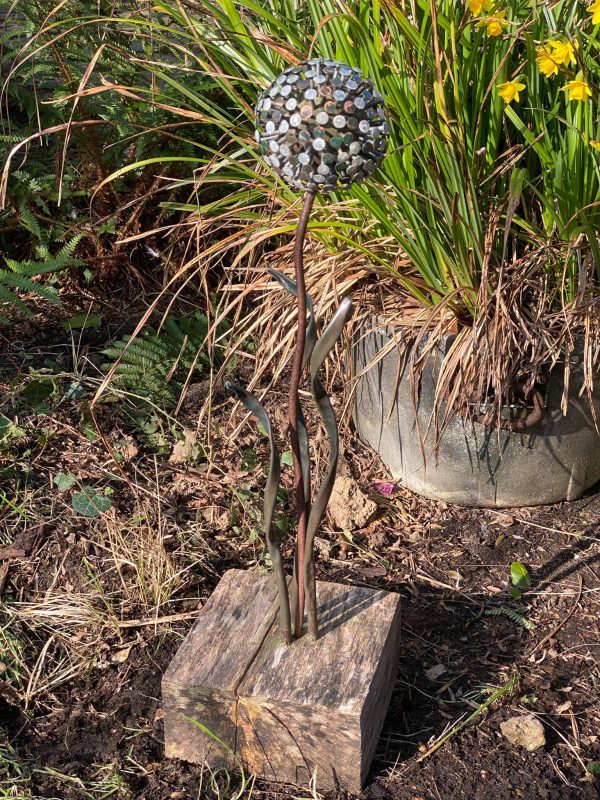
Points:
(525, 730)
(435, 672)
(349, 507)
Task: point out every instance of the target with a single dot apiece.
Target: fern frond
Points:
(65, 254)
(28, 221)
(143, 349)
(11, 299)
(20, 275)
(62, 260)
(156, 363)
(512, 614)
(25, 284)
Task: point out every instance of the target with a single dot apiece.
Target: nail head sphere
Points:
(318, 116)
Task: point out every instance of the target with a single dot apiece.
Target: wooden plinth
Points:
(284, 711)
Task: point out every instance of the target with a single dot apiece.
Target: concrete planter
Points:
(556, 459)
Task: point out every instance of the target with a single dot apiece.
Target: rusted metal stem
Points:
(535, 415)
(302, 501)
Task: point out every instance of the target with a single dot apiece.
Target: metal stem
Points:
(302, 502)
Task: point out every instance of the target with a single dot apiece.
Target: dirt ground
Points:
(93, 608)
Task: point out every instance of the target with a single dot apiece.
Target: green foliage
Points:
(89, 502)
(9, 432)
(519, 578)
(471, 218)
(82, 321)
(493, 694)
(29, 83)
(63, 481)
(477, 199)
(13, 656)
(156, 364)
(221, 779)
(47, 50)
(469, 178)
(20, 277)
(36, 392)
(466, 181)
(512, 614)
(23, 276)
(15, 774)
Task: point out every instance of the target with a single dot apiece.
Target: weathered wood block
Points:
(284, 711)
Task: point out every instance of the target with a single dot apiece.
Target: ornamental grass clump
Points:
(483, 219)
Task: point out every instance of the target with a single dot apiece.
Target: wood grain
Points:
(285, 710)
(201, 681)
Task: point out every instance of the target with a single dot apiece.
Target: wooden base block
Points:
(284, 711)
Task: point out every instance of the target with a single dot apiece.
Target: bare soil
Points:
(93, 609)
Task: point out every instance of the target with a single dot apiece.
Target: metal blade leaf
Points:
(309, 342)
(321, 350)
(270, 497)
(311, 331)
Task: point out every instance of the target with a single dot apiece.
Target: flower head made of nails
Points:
(321, 126)
(509, 90)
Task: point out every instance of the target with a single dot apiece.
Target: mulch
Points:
(451, 566)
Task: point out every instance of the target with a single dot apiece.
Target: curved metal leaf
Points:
(270, 497)
(311, 329)
(303, 441)
(321, 350)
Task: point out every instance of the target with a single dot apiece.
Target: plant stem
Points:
(507, 688)
(294, 409)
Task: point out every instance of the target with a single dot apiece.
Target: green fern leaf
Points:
(11, 299)
(26, 284)
(29, 222)
(512, 614)
(156, 364)
(19, 275)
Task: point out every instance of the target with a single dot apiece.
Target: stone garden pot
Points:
(556, 459)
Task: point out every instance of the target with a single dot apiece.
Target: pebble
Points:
(525, 731)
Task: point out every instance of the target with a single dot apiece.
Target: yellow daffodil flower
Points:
(495, 25)
(509, 90)
(477, 6)
(554, 53)
(578, 90)
(593, 9)
(546, 61)
(562, 52)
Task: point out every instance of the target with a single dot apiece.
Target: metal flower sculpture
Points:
(321, 126)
